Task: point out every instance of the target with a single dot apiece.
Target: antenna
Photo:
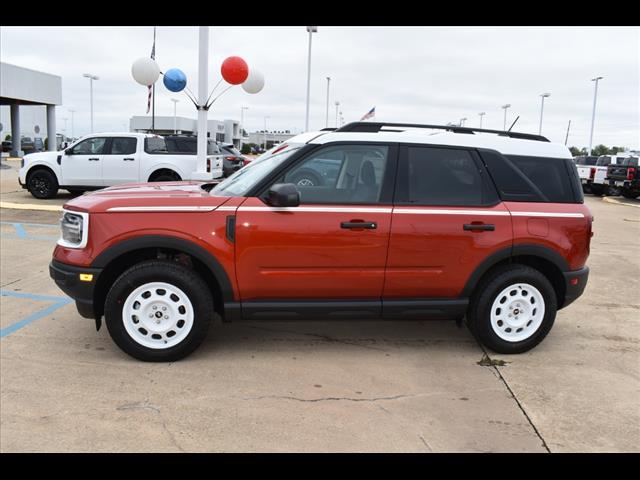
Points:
(514, 122)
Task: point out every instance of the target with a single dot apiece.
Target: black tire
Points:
(630, 193)
(306, 178)
(75, 192)
(42, 184)
(165, 176)
(172, 273)
(479, 313)
(597, 190)
(613, 191)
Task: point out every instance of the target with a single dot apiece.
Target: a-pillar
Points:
(16, 144)
(52, 143)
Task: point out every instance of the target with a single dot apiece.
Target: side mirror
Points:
(68, 151)
(283, 195)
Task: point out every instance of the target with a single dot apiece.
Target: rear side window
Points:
(155, 145)
(442, 176)
(123, 145)
(534, 179)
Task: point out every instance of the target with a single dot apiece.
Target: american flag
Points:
(370, 114)
(153, 55)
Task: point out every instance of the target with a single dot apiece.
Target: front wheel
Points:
(513, 309)
(42, 184)
(158, 311)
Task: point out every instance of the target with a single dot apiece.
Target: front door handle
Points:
(368, 225)
(94, 159)
(483, 227)
(128, 159)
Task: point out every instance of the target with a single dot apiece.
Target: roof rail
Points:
(328, 129)
(375, 127)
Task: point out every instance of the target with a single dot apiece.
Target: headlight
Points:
(75, 229)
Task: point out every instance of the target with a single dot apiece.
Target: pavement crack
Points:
(326, 338)
(328, 399)
(426, 444)
(10, 283)
(494, 365)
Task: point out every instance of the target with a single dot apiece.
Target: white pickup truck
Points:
(104, 159)
(593, 173)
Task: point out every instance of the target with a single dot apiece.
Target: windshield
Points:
(244, 179)
(604, 160)
(586, 160)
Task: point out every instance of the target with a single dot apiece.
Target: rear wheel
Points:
(165, 176)
(158, 311)
(513, 309)
(630, 193)
(613, 191)
(597, 190)
(42, 184)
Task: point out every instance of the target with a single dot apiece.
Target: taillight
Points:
(631, 172)
(246, 162)
(230, 158)
(592, 174)
(208, 165)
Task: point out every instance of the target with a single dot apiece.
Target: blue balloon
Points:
(175, 80)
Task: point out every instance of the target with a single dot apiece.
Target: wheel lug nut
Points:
(155, 308)
(151, 315)
(164, 308)
(166, 316)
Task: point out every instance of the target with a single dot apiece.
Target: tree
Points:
(577, 152)
(7, 138)
(599, 150)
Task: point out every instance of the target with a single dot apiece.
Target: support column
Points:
(15, 131)
(52, 143)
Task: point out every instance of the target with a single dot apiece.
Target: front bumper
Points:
(575, 282)
(67, 277)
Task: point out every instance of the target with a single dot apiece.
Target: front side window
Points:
(123, 146)
(341, 174)
(90, 146)
(442, 176)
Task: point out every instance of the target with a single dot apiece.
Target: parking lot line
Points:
(30, 206)
(58, 303)
(22, 234)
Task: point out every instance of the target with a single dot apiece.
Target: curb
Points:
(618, 202)
(30, 206)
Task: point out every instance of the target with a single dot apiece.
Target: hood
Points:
(32, 157)
(154, 194)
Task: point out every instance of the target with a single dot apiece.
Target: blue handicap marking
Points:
(58, 302)
(22, 234)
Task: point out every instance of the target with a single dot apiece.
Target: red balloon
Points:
(234, 70)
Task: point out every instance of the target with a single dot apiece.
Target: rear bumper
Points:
(67, 277)
(575, 282)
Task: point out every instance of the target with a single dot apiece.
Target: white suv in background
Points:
(104, 159)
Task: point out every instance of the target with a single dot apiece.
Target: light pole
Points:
(175, 118)
(311, 31)
(504, 107)
(337, 105)
(482, 114)
(543, 96)
(72, 112)
(65, 126)
(593, 115)
(242, 109)
(326, 120)
(462, 120)
(91, 79)
(265, 132)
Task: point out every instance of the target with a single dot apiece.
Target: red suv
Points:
(398, 222)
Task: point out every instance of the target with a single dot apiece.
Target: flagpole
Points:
(153, 90)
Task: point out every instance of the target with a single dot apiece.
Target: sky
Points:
(433, 75)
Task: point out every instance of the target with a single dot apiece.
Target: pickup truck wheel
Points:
(158, 311)
(613, 191)
(630, 194)
(165, 177)
(513, 309)
(597, 190)
(42, 184)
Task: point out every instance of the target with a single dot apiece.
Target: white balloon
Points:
(254, 82)
(145, 71)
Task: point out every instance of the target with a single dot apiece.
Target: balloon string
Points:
(214, 89)
(222, 93)
(191, 97)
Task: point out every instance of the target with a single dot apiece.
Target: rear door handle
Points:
(368, 225)
(479, 226)
(94, 159)
(128, 159)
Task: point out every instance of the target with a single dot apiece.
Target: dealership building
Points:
(225, 131)
(32, 96)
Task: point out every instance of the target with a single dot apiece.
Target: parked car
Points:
(485, 225)
(6, 145)
(599, 183)
(27, 145)
(188, 145)
(233, 159)
(626, 177)
(586, 170)
(100, 160)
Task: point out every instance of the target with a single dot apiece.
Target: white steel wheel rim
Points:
(158, 315)
(517, 312)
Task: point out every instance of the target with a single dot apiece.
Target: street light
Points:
(175, 119)
(337, 105)
(326, 120)
(505, 115)
(543, 96)
(462, 120)
(265, 132)
(311, 31)
(482, 114)
(593, 115)
(91, 79)
(242, 109)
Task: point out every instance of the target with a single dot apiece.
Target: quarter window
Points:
(341, 174)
